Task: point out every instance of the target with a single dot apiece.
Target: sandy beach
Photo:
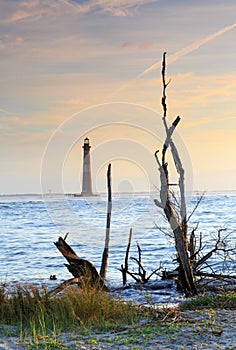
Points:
(206, 329)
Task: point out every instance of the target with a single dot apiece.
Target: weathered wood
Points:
(78, 267)
(178, 222)
(216, 275)
(124, 268)
(186, 277)
(141, 271)
(62, 286)
(218, 243)
(141, 276)
(104, 265)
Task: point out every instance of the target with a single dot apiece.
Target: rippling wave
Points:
(29, 224)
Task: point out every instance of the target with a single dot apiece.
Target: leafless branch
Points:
(220, 246)
(196, 206)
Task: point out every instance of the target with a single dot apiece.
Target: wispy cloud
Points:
(142, 46)
(25, 10)
(145, 46)
(118, 8)
(9, 42)
(180, 53)
(188, 49)
(126, 44)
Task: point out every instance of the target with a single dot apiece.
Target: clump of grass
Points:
(214, 301)
(35, 314)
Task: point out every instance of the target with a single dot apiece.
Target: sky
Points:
(72, 69)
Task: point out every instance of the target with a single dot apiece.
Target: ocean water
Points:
(29, 224)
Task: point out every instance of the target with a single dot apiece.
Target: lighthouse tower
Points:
(87, 179)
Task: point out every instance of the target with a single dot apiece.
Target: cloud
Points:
(118, 8)
(190, 48)
(72, 102)
(24, 10)
(16, 120)
(117, 12)
(145, 46)
(10, 42)
(126, 44)
(180, 53)
(142, 46)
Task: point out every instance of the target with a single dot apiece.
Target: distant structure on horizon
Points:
(87, 178)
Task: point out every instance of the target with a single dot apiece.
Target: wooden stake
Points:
(104, 265)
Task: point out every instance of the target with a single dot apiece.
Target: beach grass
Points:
(39, 319)
(225, 300)
(35, 315)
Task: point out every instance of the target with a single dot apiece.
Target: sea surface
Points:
(29, 224)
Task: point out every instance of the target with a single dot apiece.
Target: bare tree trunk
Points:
(104, 265)
(177, 221)
(124, 269)
(185, 275)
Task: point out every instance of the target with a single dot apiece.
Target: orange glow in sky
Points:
(71, 69)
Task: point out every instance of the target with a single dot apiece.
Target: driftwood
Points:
(80, 268)
(104, 265)
(141, 276)
(221, 281)
(124, 268)
(62, 286)
(83, 270)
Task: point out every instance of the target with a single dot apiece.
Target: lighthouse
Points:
(87, 179)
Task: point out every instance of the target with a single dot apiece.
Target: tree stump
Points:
(80, 268)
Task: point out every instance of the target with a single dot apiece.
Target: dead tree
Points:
(141, 276)
(104, 265)
(177, 220)
(221, 247)
(124, 268)
(82, 270)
